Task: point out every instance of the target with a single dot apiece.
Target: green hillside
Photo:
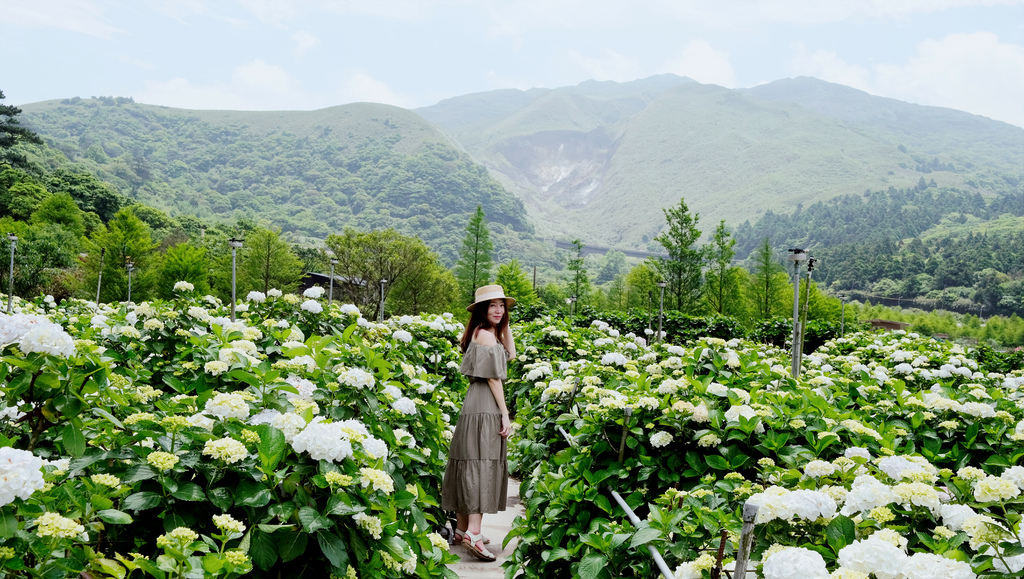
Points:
(310, 173)
(600, 160)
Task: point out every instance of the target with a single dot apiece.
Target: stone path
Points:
(495, 526)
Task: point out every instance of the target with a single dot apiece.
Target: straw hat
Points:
(491, 292)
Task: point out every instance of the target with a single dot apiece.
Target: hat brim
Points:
(509, 303)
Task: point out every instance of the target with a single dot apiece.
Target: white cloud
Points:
(746, 13)
(304, 42)
(254, 85)
(134, 62)
(361, 87)
(610, 66)
(81, 16)
(703, 63)
(970, 72)
(827, 65)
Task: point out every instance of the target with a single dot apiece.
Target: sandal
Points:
(470, 540)
(459, 534)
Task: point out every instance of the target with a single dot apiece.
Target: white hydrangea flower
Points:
(874, 556)
(227, 405)
(315, 292)
(256, 297)
(183, 286)
(323, 441)
(402, 336)
(21, 474)
(795, 563)
(404, 405)
(660, 439)
(312, 306)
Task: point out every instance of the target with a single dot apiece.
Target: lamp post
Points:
(130, 267)
(234, 243)
(842, 316)
(796, 255)
(99, 277)
(380, 318)
(661, 309)
(330, 294)
(650, 300)
(10, 279)
(571, 300)
(807, 302)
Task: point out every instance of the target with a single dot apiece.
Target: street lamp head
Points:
(334, 262)
(383, 281)
(662, 284)
(796, 254)
(12, 237)
(235, 243)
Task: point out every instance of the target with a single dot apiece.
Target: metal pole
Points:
(380, 318)
(803, 318)
(330, 297)
(661, 312)
(99, 278)
(650, 299)
(842, 319)
(746, 541)
(131, 268)
(795, 369)
(658, 560)
(10, 279)
(233, 252)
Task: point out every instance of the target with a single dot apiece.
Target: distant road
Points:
(598, 250)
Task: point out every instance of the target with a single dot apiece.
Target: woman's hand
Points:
(506, 426)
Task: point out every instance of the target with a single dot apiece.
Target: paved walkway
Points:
(495, 526)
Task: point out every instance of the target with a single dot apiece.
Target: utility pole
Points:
(796, 255)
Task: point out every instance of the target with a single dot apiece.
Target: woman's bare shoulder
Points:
(485, 338)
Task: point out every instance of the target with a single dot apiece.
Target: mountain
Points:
(599, 161)
(311, 173)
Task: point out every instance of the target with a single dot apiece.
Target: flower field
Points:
(164, 440)
(893, 457)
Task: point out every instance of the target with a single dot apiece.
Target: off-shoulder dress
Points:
(476, 478)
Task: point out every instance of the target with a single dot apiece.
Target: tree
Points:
(683, 268)
(405, 264)
(125, 239)
(89, 193)
(768, 284)
(579, 283)
(517, 285)
(61, 210)
(25, 198)
(474, 266)
(12, 133)
(722, 286)
(614, 263)
(183, 262)
(266, 262)
(642, 282)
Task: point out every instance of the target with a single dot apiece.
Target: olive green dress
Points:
(476, 479)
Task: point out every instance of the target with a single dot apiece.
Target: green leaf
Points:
(271, 448)
(8, 523)
(189, 492)
(717, 462)
(840, 533)
(263, 550)
(114, 517)
(138, 472)
(252, 494)
(333, 548)
(554, 554)
(221, 498)
(141, 501)
(591, 566)
(245, 376)
(291, 544)
(644, 535)
(110, 417)
(398, 548)
(74, 441)
(312, 521)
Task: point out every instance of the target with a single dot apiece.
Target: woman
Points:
(476, 479)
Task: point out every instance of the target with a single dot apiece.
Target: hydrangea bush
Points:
(891, 457)
(162, 439)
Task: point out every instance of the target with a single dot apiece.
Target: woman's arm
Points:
(498, 391)
(509, 343)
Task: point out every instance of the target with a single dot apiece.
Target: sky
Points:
(311, 54)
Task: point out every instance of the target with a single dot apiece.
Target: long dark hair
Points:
(478, 319)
